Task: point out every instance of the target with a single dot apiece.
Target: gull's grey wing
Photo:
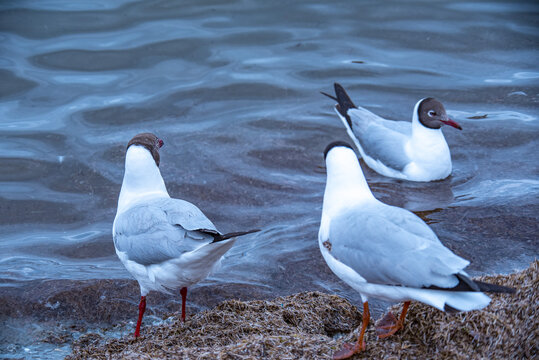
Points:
(183, 213)
(381, 139)
(387, 246)
(406, 220)
(160, 230)
(361, 117)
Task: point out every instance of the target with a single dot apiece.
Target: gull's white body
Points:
(156, 237)
(399, 149)
(383, 251)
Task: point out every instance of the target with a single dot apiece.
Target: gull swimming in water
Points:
(415, 151)
(387, 252)
(164, 243)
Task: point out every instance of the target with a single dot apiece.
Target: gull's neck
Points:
(142, 178)
(346, 184)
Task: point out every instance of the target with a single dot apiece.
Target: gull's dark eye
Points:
(432, 113)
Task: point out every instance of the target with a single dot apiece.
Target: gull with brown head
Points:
(415, 151)
(164, 243)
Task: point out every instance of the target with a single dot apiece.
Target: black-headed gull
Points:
(415, 151)
(387, 252)
(164, 243)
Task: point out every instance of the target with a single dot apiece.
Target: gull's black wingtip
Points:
(494, 288)
(338, 87)
(344, 103)
(219, 237)
(342, 97)
(329, 96)
(467, 284)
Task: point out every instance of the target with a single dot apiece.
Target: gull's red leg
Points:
(141, 309)
(350, 349)
(183, 291)
(390, 325)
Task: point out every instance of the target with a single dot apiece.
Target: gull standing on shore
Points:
(387, 252)
(164, 243)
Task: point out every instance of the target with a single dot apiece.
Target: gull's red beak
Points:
(160, 143)
(452, 123)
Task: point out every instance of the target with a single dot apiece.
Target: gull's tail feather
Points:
(464, 301)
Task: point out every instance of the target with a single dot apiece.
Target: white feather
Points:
(399, 149)
(361, 238)
(156, 237)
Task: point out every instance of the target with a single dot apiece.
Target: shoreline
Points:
(312, 325)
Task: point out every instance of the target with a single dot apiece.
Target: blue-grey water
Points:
(232, 87)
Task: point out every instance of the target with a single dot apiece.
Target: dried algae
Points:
(313, 325)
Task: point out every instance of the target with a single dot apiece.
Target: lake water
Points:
(232, 87)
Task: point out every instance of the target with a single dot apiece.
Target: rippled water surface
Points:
(233, 89)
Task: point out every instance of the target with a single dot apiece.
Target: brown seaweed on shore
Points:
(310, 325)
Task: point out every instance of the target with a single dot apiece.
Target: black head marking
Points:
(431, 113)
(336, 144)
(150, 142)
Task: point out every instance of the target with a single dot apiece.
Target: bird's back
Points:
(160, 230)
(381, 142)
(391, 246)
(167, 243)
